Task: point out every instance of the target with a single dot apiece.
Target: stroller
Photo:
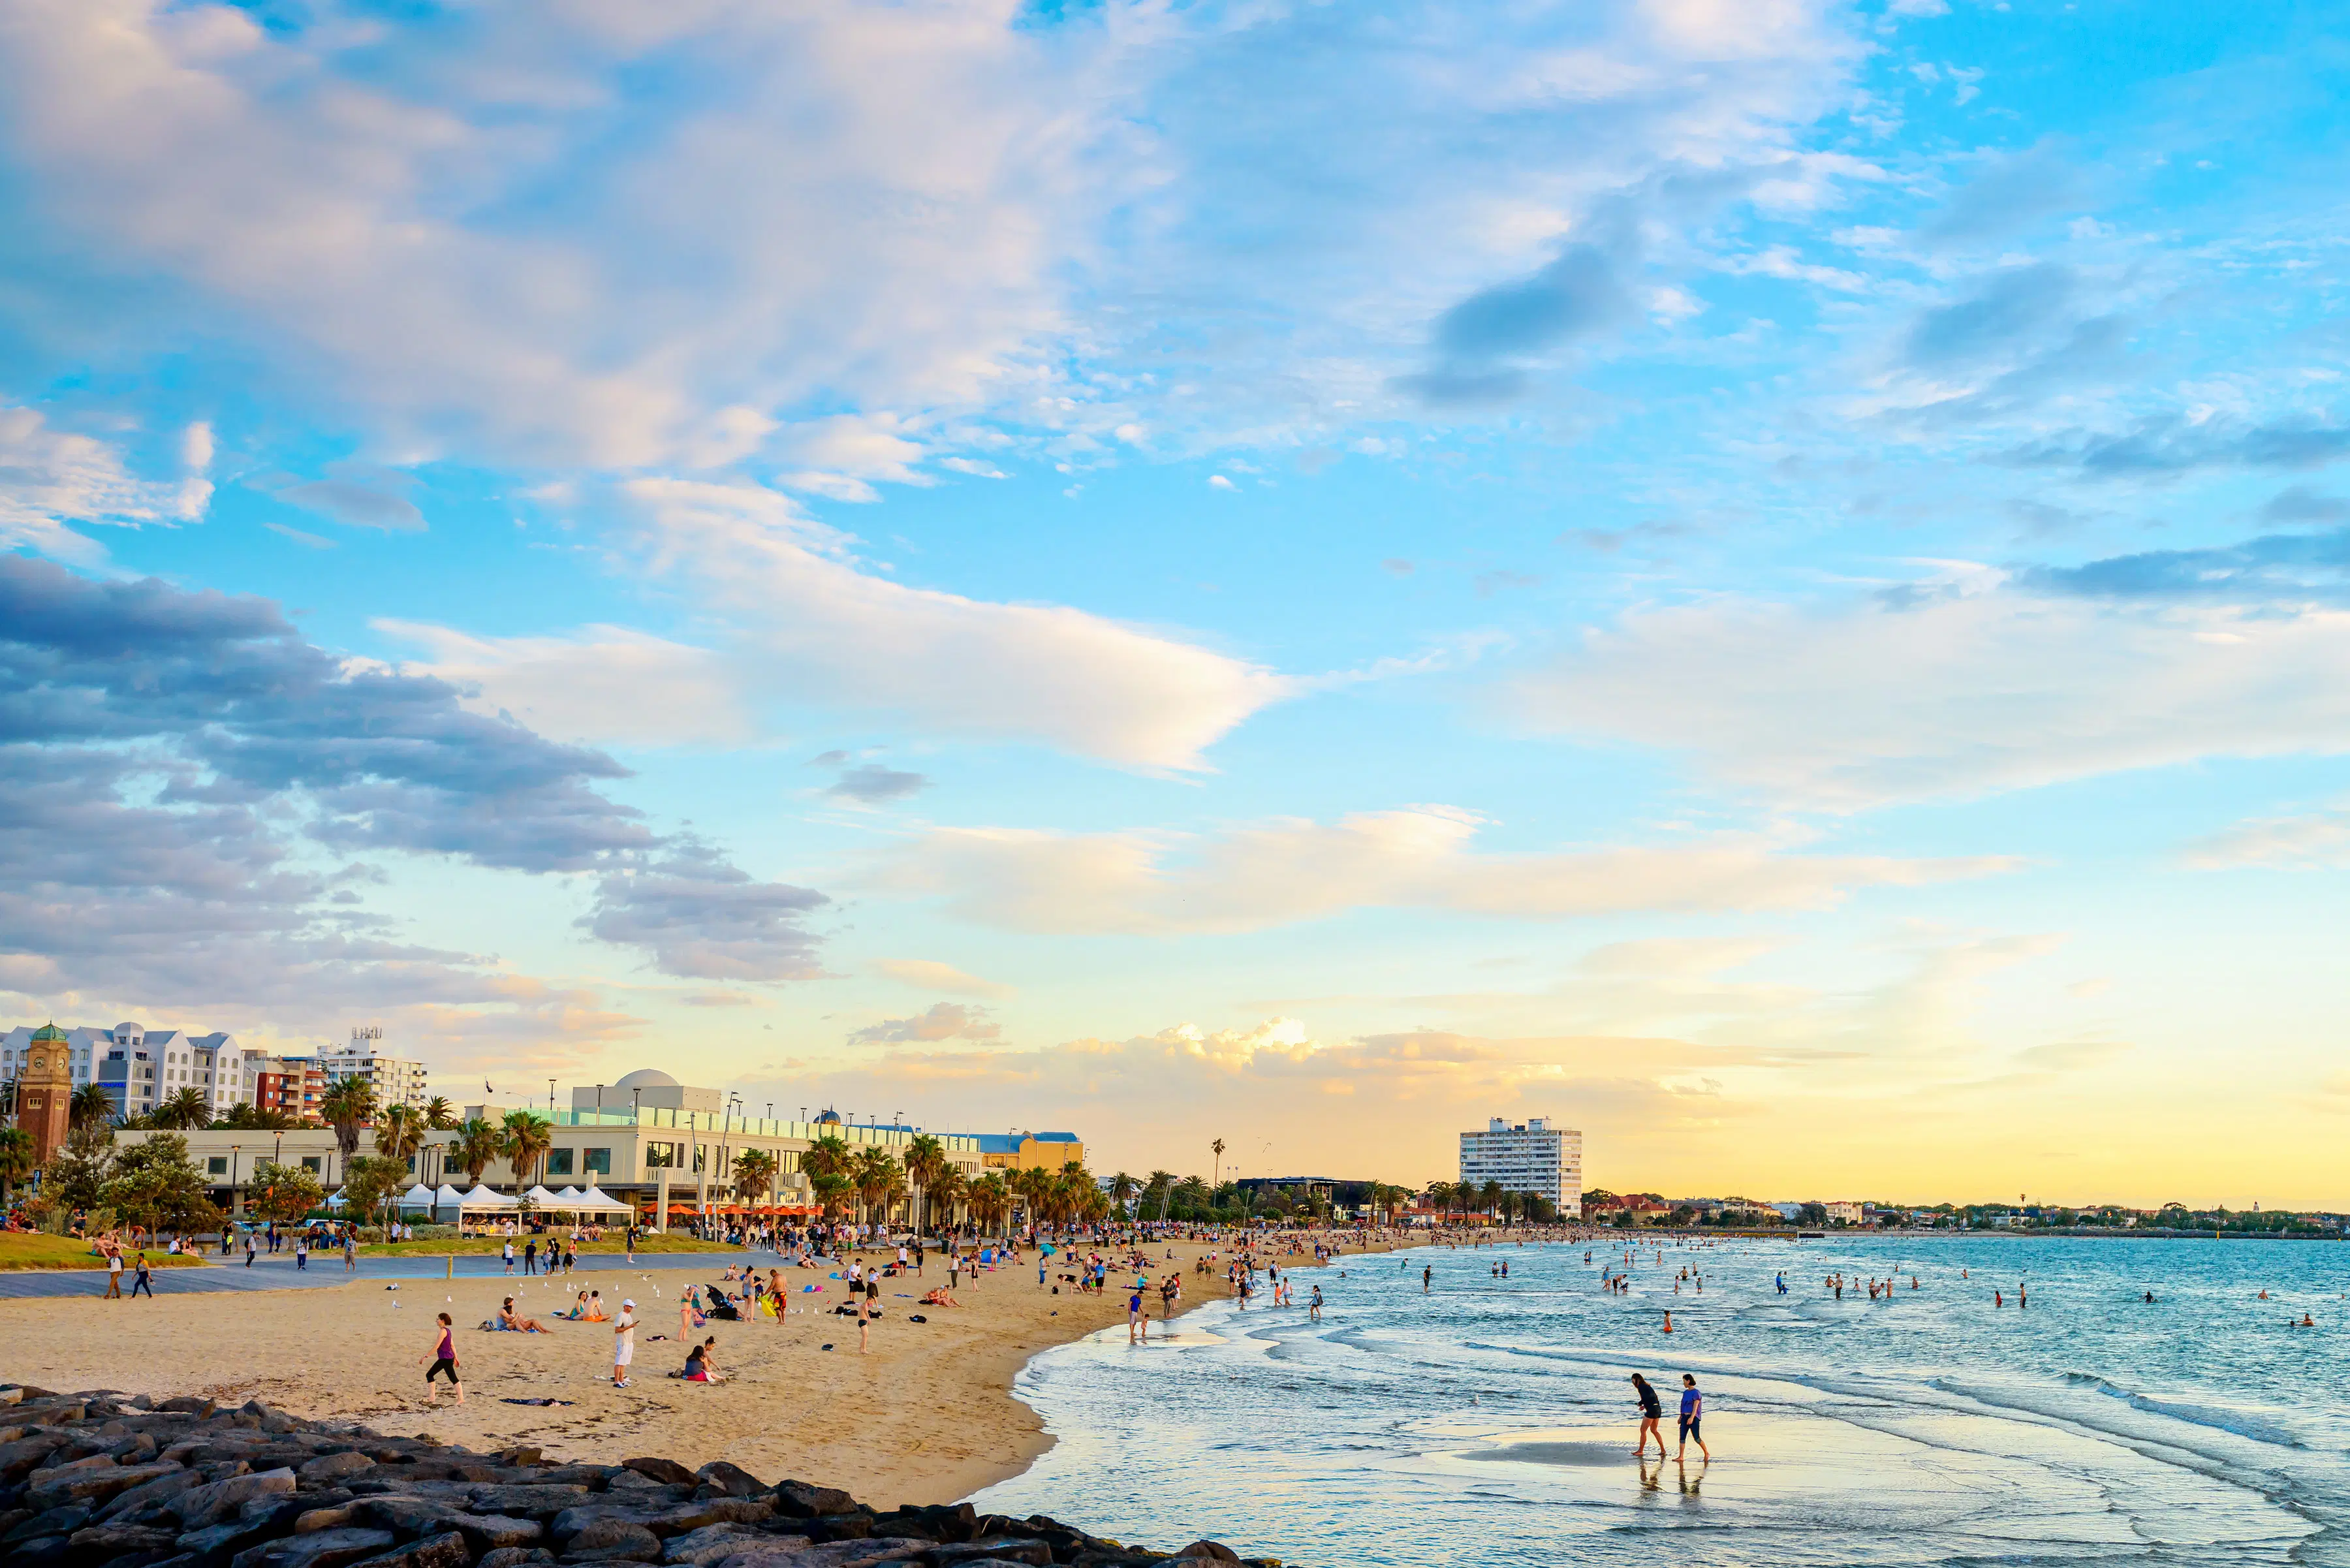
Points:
(719, 1307)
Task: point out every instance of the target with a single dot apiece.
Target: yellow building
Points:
(1029, 1151)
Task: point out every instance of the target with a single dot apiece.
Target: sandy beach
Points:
(927, 1417)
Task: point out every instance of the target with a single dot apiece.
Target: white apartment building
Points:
(1531, 1156)
(396, 1080)
(141, 1067)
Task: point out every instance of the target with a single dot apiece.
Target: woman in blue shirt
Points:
(1692, 1412)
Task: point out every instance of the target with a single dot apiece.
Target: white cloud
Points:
(49, 477)
(813, 625)
(604, 683)
(1959, 687)
(928, 975)
(1287, 870)
(2307, 841)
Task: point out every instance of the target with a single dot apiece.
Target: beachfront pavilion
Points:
(664, 1149)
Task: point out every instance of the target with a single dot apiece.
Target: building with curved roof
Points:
(647, 1090)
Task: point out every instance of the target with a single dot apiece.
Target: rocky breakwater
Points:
(129, 1482)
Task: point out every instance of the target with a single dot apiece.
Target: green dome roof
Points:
(49, 1031)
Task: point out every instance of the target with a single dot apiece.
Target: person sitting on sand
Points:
(579, 1310)
(700, 1364)
(939, 1297)
(514, 1321)
(596, 1312)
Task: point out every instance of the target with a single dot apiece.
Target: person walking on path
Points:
(113, 1276)
(508, 1252)
(351, 1250)
(248, 1249)
(624, 1342)
(144, 1280)
(444, 1362)
(302, 1250)
(1692, 1413)
(530, 1258)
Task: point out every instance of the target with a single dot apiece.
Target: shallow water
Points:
(1490, 1420)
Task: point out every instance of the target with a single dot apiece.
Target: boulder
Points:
(153, 1493)
(993, 1548)
(322, 1549)
(91, 1480)
(537, 1502)
(514, 1557)
(1209, 1552)
(433, 1551)
(668, 1472)
(729, 1481)
(212, 1503)
(110, 1542)
(798, 1500)
(603, 1534)
(327, 1467)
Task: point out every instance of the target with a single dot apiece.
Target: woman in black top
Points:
(1652, 1411)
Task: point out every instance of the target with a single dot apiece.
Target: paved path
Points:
(280, 1273)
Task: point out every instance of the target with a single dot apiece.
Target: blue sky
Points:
(1765, 578)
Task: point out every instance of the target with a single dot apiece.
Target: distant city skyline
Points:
(1764, 579)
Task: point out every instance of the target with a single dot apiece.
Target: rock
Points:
(668, 1472)
(713, 1541)
(210, 1504)
(108, 1542)
(24, 1453)
(334, 1517)
(1210, 1550)
(101, 1480)
(63, 1521)
(324, 1549)
(516, 1557)
(537, 1502)
(798, 1500)
(773, 1551)
(731, 1480)
(993, 1548)
(330, 1467)
(160, 1491)
(448, 1551)
(217, 1543)
(601, 1535)
(46, 1552)
(191, 1404)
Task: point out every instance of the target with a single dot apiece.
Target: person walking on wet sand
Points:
(1652, 1411)
(1692, 1413)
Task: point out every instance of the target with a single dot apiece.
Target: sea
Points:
(1489, 1420)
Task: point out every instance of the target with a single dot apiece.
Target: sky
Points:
(1767, 579)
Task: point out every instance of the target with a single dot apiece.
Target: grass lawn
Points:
(38, 1251)
(645, 1245)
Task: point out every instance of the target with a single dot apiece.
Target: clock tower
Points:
(45, 1091)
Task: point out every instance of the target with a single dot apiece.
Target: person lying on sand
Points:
(939, 1297)
(515, 1322)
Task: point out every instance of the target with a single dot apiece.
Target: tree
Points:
(479, 1143)
(16, 1161)
(155, 1184)
(88, 1106)
(991, 1199)
(247, 1117)
(284, 1192)
(78, 1172)
(369, 1179)
(527, 1135)
(1814, 1213)
(926, 1162)
(183, 1108)
(346, 1104)
(399, 1133)
(874, 1173)
(827, 1156)
(951, 1190)
(439, 1115)
(754, 1175)
(832, 1191)
(1161, 1186)
(1122, 1188)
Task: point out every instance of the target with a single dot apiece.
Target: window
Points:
(559, 1162)
(216, 1165)
(662, 1154)
(600, 1162)
(311, 1162)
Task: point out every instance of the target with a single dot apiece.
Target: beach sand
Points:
(927, 1417)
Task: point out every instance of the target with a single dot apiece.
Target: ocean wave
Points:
(2242, 1422)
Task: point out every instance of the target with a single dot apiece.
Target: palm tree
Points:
(754, 1173)
(399, 1133)
(15, 1159)
(527, 1135)
(951, 1189)
(831, 1189)
(478, 1145)
(1218, 1175)
(182, 1109)
(1489, 1195)
(1121, 1188)
(991, 1199)
(440, 1116)
(926, 1162)
(873, 1174)
(346, 1104)
(828, 1156)
(89, 1106)
(1162, 1182)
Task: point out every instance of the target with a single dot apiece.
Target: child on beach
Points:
(444, 1361)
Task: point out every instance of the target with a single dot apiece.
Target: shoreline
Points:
(929, 1416)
